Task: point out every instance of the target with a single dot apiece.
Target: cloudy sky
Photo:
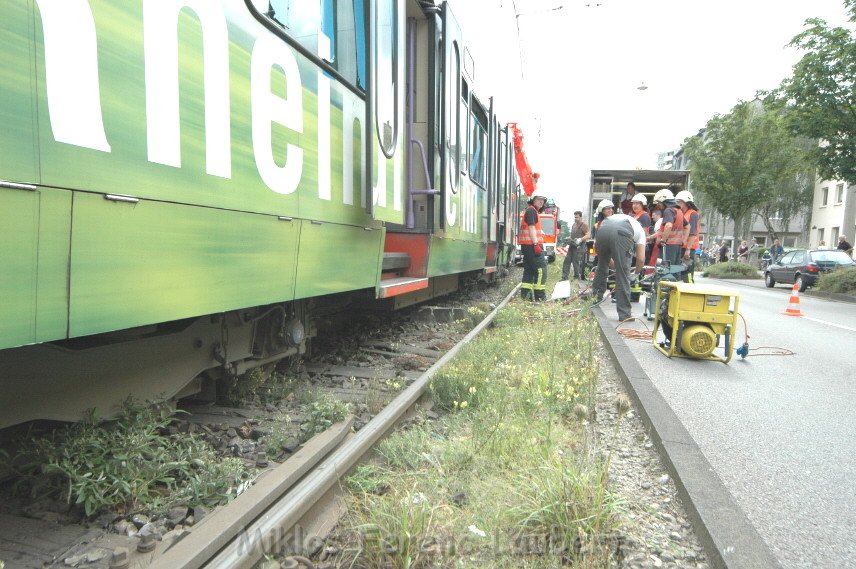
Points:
(571, 77)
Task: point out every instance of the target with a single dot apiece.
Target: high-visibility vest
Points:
(639, 214)
(676, 235)
(692, 240)
(523, 237)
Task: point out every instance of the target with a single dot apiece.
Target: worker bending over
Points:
(619, 239)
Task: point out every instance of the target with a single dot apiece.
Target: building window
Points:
(825, 196)
(819, 236)
(833, 238)
(789, 241)
(839, 193)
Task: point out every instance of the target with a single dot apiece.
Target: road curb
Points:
(729, 539)
(831, 296)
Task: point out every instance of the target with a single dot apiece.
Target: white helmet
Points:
(663, 195)
(641, 198)
(684, 196)
(603, 205)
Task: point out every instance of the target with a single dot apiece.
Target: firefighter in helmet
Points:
(671, 235)
(692, 222)
(531, 241)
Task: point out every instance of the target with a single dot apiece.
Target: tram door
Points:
(453, 139)
(385, 110)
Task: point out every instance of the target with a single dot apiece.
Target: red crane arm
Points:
(528, 179)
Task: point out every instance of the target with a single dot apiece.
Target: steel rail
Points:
(268, 532)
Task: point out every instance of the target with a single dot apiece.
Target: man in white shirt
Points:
(619, 239)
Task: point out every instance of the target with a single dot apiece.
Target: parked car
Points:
(804, 267)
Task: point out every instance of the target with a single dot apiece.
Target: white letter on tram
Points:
(269, 54)
(71, 73)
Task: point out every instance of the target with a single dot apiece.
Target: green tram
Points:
(185, 183)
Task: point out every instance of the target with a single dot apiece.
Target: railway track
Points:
(283, 509)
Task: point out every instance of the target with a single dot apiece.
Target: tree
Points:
(746, 159)
(822, 95)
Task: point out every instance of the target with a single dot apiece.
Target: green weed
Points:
(396, 530)
(511, 457)
(243, 387)
(128, 464)
(569, 503)
(280, 435)
(319, 414)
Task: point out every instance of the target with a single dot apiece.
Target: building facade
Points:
(833, 213)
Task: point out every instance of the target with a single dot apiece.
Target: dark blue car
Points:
(804, 267)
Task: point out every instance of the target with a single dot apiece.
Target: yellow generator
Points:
(695, 319)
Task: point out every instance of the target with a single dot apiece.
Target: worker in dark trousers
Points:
(619, 239)
(692, 222)
(671, 232)
(576, 248)
(531, 241)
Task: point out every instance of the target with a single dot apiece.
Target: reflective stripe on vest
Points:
(692, 240)
(523, 238)
(676, 235)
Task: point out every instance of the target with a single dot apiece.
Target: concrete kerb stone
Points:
(729, 539)
(840, 297)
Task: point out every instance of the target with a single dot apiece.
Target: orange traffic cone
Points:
(794, 305)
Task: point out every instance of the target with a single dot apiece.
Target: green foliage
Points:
(512, 458)
(746, 158)
(822, 94)
(243, 387)
(397, 531)
(843, 281)
(567, 503)
(320, 413)
(280, 435)
(732, 270)
(128, 463)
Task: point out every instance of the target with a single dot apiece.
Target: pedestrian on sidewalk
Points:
(743, 252)
(723, 252)
(843, 245)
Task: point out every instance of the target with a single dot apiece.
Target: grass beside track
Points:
(510, 475)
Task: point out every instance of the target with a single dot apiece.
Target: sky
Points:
(570, 77)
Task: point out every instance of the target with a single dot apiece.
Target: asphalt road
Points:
(780, 431)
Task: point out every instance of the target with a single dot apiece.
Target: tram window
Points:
(386, 75)
(453, 125)
(340, 22)
(350, 41)
(502, 171)
(465, 127)
(478, 145)
(302, 19)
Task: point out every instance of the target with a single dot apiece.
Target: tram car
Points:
(184, 184)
